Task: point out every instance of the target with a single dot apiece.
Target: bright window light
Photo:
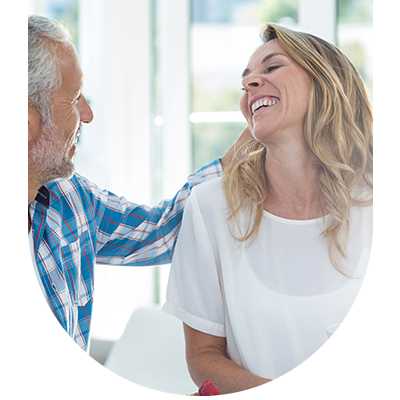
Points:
(216, 116)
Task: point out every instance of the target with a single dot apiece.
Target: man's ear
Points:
(33, 121)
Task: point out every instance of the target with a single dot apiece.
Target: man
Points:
(73, 224)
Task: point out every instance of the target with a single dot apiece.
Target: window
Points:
(355, 35)
(65, 10)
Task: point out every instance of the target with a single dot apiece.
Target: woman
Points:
(275, 251)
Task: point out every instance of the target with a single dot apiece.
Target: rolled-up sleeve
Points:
(194, 290)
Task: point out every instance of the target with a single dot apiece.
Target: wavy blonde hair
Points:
(337, 129)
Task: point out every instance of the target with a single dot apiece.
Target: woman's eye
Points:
(272, 68)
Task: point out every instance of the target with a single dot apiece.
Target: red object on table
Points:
(208, 389)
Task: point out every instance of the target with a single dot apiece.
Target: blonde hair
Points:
(337, 129)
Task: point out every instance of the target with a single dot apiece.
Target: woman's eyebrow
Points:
(264, 60)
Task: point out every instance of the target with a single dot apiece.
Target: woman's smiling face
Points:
(276, 94)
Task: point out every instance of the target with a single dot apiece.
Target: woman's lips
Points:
(262, 102)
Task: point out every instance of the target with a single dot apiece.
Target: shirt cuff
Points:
(206, 173)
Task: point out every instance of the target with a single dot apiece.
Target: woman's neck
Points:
(293, 189)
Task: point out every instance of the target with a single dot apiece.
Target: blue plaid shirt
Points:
(75, 225)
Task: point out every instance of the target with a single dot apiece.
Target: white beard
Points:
(49, 158)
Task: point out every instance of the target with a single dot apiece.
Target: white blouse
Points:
(272, 300)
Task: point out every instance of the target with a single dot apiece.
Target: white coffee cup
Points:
(346, 340)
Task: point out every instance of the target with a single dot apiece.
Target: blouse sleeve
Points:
(194, 288)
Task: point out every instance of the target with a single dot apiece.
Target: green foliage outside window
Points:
(211, 140)
(268, 11)
(355, 12)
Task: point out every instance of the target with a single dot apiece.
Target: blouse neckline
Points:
(294, 221)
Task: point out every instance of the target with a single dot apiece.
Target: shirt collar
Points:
(43, 196)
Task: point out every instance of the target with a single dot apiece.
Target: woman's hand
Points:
(367, 355)
(294, 386)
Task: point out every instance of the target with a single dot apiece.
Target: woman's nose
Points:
(251, 81)
(85, 111)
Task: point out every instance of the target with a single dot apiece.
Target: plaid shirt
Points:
(75, 225)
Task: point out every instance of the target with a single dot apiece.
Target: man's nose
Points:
(85, 111)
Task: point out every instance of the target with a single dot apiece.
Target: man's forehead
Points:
(71, 70)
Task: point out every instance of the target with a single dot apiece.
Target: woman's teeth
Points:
(263, 103)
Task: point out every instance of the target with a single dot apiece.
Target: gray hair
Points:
(44, 74)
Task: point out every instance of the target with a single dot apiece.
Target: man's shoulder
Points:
(71, 190)
(66, 185)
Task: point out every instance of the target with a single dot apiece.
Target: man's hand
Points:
(367, 355)
(294, 386)
(236, 151)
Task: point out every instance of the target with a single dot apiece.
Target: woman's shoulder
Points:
(209, 187)
(210, 194)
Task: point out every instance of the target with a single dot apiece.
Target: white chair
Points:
(151, 353)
